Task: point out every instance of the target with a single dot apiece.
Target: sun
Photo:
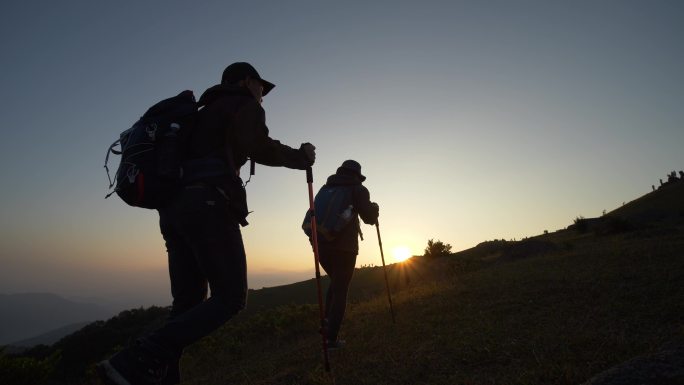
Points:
(401, 253)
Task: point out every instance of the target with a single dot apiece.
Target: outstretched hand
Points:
(310, 152)
(376, 208)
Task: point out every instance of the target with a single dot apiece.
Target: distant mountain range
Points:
(33, 318)
(47, 338)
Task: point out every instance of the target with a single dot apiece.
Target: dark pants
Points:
(205, 250)
(340, 268)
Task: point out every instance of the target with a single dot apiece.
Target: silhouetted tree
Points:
(437, 249)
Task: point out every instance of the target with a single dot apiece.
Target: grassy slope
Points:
(550, 319)
(662, 204)
(557, 317)
(553, 309)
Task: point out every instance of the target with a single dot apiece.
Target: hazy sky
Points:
(473, 120)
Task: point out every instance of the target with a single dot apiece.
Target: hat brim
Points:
(268, 86)
(356, 173)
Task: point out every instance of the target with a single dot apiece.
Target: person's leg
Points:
(145, 362)
(199, 220)
(325, 264)
(188, 285)
(216, 242)
(341, 269)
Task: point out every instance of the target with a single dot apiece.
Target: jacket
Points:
(348, 239)
(231, 126)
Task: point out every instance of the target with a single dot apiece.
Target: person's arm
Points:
(254, 141)
(368, 211)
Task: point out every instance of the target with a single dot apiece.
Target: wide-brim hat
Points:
(354, 166)
(240, 70)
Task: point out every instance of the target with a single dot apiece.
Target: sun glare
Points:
(401, 253)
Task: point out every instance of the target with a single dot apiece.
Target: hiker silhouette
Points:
(201, 225)
(338, 255)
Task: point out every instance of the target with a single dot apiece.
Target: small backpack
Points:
(334, 211)
(152, 150)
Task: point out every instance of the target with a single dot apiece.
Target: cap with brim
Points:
(241, 70)
(354, 166)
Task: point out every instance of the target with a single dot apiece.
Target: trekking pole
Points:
(384, 269)
(314, 237)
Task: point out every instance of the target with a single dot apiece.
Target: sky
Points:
(472, 120)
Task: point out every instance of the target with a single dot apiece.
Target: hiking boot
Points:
(336, 345)
(132, 366)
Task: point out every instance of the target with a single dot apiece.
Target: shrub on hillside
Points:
(16, 370)
(581, 224)
(436, 249)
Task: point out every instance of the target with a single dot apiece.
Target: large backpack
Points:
(334, 211)
(150, 171)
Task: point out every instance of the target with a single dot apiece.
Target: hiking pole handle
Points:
(309, 176)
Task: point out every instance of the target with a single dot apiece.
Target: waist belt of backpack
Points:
(196, 171)
(209, 186)
(200, 169)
